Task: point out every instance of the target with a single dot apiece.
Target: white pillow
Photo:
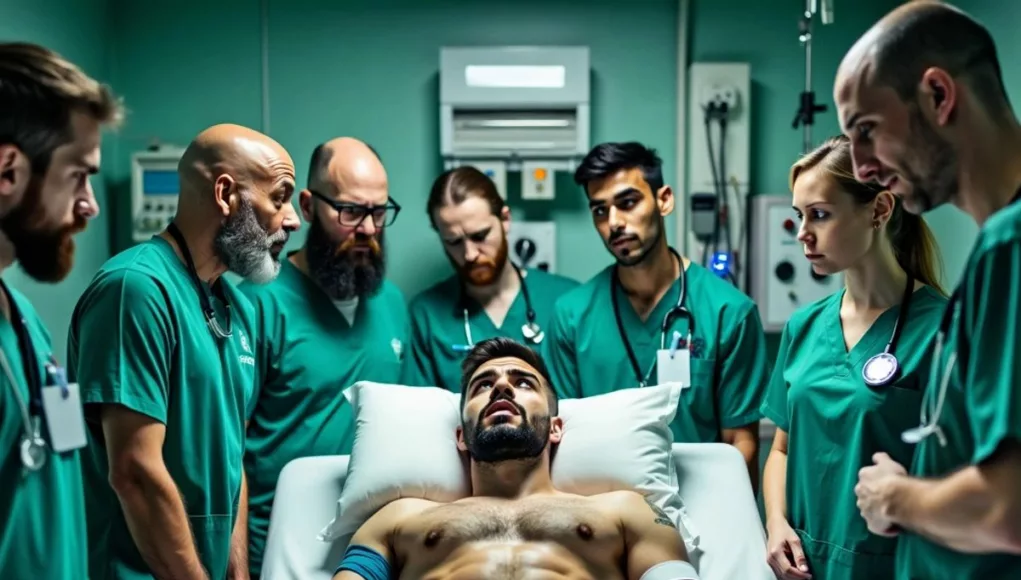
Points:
(405, 446)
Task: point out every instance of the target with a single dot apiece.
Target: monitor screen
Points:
(160, 182)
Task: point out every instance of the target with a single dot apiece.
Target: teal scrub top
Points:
(835, 423)
(308, 354)
(42, 513)
(729, 363)
(139, 339)
(439, 341)
(982, 408)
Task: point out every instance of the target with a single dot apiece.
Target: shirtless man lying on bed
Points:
(516, 525)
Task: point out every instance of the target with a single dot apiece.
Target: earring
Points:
(876, 224)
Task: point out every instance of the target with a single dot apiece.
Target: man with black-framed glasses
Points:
(329, 320)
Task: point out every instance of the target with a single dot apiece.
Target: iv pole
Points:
(808, 108)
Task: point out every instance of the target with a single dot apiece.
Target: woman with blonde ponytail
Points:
(833, 408)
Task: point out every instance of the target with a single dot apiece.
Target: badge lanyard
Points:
(207, 306)
(678, 310)
(882, 368)
(530, 330)
(33, 446)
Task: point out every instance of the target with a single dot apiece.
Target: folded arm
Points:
(650, 537)
(975, 510)
(151, 501)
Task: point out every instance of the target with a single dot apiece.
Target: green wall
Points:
(80, 31)
(368, 68)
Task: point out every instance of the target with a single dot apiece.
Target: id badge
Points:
(674, 367)
(64, 417)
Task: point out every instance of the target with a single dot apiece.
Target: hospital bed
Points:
(714, 485)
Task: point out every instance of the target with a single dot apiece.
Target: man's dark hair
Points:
(39, 90)
(938, 35)
(608, 158)
(501, 347)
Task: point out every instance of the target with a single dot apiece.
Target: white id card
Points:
(64, 417)
(674, 368)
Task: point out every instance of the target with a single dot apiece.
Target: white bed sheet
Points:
(714, 485)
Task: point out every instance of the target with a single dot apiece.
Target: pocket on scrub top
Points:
(701, 393)
(212, 539)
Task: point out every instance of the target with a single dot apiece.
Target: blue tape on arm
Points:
(365, 562)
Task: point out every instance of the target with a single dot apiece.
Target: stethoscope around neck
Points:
(679, 310)
(33, 446)
(932, 402)
(882, 369)
(530, 330)
(206, 303)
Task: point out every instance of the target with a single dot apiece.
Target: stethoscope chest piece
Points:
(532, 332)
(880, 370)
(33, 452)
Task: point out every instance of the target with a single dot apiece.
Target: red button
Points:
(788, 224)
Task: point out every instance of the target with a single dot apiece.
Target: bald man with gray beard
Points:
(331, 319)
(161, 344)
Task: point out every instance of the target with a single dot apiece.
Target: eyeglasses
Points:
(351, 215)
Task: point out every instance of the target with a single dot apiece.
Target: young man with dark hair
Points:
(921, 98)
(654, 316)
(515, 524)
(51, 117)
(488, 295)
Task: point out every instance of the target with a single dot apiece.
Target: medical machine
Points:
(782, 278)
(515, 108)
(154, 191)
(719, 129)
(807, 107)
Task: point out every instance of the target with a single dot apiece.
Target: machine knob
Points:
(785, 271)
(788, 224)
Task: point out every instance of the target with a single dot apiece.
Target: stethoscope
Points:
(33, 446)
(932, 406)
(530, 330)
(207, 306)
(881, 369)
(678, 310)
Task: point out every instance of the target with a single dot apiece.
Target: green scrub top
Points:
(139, 339)
(42, 513)
(729, 363)
(439, 341)
(982, 408)
(835, 423)
(308, 354)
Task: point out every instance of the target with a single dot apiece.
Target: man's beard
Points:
(340, 271)
(644, 250)
(938, 185)
(504, 441)
(245, 247)
(484, 271)
(46, 255)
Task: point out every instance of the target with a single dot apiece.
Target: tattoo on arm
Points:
(661, 517)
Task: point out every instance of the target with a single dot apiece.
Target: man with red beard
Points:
(488, 296)
(330, 320)
(52, 115)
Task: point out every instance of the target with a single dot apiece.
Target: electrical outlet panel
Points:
(496, 171)
(537, 180)
(782, 279)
